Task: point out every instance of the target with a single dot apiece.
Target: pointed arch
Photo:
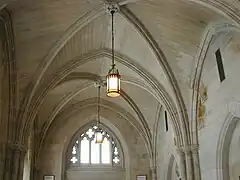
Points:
(76, 158)
(170, 167)
(211, 30)
(117, 136)
(224, 142)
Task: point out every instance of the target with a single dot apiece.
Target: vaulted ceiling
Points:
(62, 47)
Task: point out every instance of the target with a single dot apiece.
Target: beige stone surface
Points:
(165, 53)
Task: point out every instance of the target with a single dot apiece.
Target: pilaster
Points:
(189, 164)
(154, 172)
(182, 164)
(196, 164)
(13, 161)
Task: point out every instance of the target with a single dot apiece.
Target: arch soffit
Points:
(81, 106)
(211, 30)
(104, 53)
(155, 131)
(76, 27)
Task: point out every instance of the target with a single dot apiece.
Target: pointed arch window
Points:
(85, 152)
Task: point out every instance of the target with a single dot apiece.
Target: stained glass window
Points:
(84, 150)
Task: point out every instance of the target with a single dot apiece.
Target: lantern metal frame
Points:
(98, 131)
(113, 73)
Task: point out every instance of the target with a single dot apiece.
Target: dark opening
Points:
(220, 65)
(166, 120)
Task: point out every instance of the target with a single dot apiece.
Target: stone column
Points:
(182, 164)
(196, 164)
(189, 165)
(14, 162)
(35, 173)
(154, 173)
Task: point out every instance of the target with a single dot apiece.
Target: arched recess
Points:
(208, 37)
(170, 167)
(179, 113)
(115, 133)
(223, 148)
(8, 92)
(173, 171)
(108, 112)
(164, 141)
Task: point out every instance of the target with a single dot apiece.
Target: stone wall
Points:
(220, 97)
(234, 157)
(165, 148)
(52, 159)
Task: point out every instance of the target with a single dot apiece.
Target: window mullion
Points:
(90, 151)
(111, 150)
(100, 153)
(79, 150)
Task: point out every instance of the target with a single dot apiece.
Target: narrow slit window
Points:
(166, 120)
(220, 65)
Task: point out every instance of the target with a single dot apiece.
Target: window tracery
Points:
(84, 150)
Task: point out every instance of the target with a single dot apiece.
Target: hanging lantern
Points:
(113, 77)
(98, 132)
(98, 136)
(113, 83)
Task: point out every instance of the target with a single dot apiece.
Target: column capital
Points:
(17, 146)
(153, 168)
(195, 148)
(180, 151)
(184, 149)
(154, 172)
(192, 148)
(187, 150)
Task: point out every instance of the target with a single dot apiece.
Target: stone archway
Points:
(224, 143)
(173, 171)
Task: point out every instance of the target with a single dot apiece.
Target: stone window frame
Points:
(77, 137)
